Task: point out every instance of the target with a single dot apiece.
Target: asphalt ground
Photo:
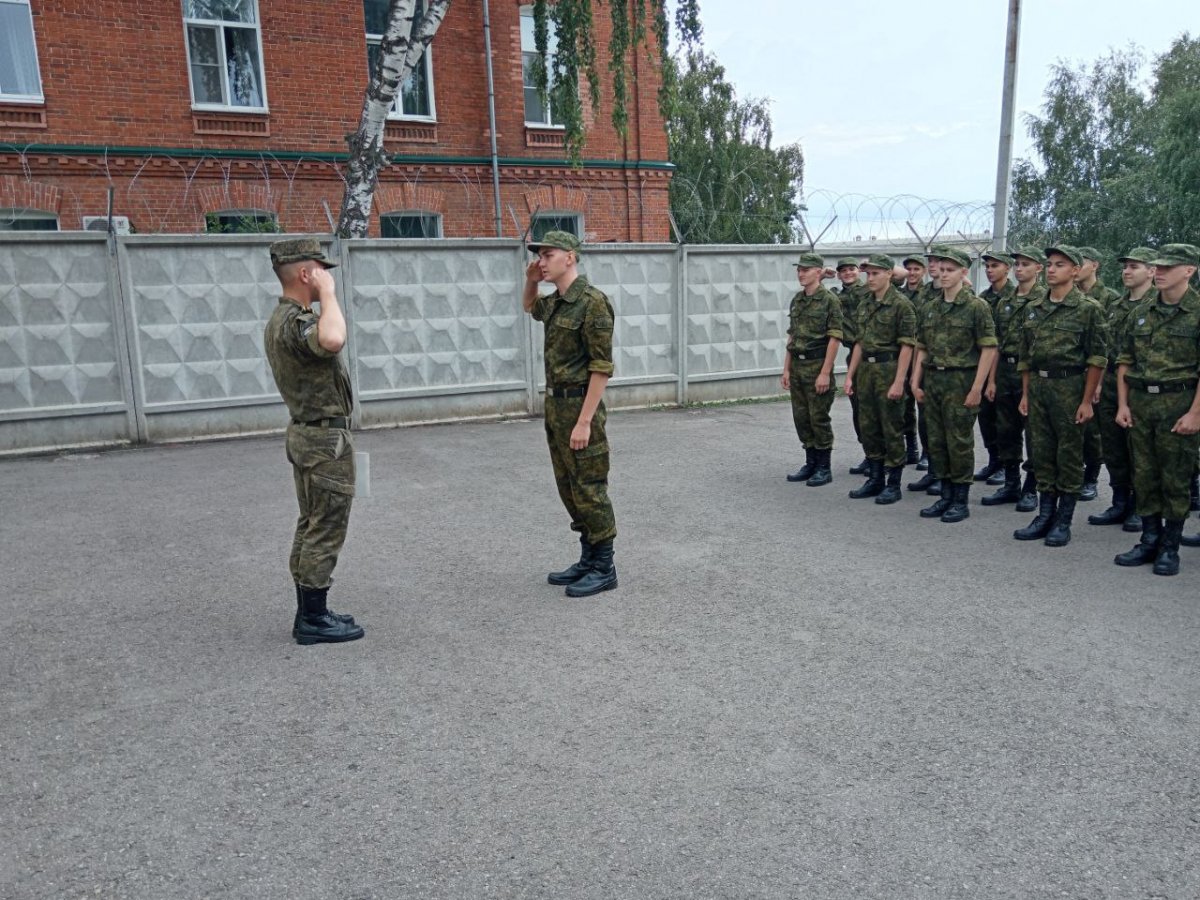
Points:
(791, 694)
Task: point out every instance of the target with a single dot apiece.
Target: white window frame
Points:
(556, 214)
(11, 214)
(39, 97)
(526, 12)
(221, 25)
(437, 217)
(397, 110)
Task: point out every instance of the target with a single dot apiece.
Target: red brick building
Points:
(222, 114)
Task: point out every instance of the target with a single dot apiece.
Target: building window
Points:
(544, 222)
(414, 100)
(410, 225)
(241, 221)
(27, 220)
(225, 53)
(19, 77)
(536, 112)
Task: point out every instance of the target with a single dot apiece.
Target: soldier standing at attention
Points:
(1004, 382)
(851, 293)
(997, 265)
(956, 340)
(928, 482)
(814, 338)
(578, 321)
(1089, 280)
(302, 349)
(885, 333)
(1159, 403)
(1093, 445)
(1063, 347)
(1138, 276)
(1029, 263)
(914, 438)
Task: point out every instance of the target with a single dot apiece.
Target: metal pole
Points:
(487, 47)
(1007, 113)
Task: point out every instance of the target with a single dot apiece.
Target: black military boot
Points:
(923, 483)
(1010, 491)
(959, 508)
(341, 617)
(601, 577)
(575, 571)
(823, 473)
(1118, 512)
(863, 468)
(938, 507)
(1145, 550)
(912, 452)
(1190, 540)
(1042, 522)
(993, 466)
(873, 486)
(891, 491)
(1059, 534)
(935, 489)
(923, 462)
(320, 626)
(1133, 522)
(1091, 475)
(1029, 497)
(804, 472)
(1167, 561)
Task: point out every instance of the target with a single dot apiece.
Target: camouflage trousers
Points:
(810, 410)
(323, 468)
(1113, 438)
(881, 421)
(1010, 424)
(951, 425)
(910, 410)
(1057, 441)
(854, 401)
(581, 475)
(1162, 460)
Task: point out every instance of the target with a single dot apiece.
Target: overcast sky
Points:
(903, 97)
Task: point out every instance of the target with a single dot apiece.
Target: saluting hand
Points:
(533, 272)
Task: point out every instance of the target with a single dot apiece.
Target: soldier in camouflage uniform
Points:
(1089, 280)
(851, 292)
(1093, 444)
(997, 266)
(914, 441)
(1063, 347)
(302, 349)
(956, 340)
(884, 336)
(1004, 383)
(578, 321)
(929, 482)
(814, 338)
(1158, 401)
(1138, 276)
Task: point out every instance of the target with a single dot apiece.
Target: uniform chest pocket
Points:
(1067, 327)
(1183, 330)
(1142, 331)
(568, 324)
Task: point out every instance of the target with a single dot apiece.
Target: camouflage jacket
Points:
(1008, 319)
(814, 319)
(952, 333)
(579, 333)
(1061, 335)
(1103, 294)
(884, 325)
(1161, 341)
(994, 298)
(1117, 316)
(851, 298)
(312, 381)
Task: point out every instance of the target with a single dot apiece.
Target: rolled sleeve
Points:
(598, 338)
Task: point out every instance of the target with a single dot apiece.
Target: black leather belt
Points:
(880, 357)
(1164, 387)
(331, 422)
(564, 392)
(1065, 372)
(812, 351)
(953, 368)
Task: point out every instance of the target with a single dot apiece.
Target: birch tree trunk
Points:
(399, 52)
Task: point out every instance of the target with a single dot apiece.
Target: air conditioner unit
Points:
(100, 223)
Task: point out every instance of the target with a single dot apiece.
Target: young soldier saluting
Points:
(1063, 346)
(814, 337)
(579, 362)
(885, 334)
(1159, 403)
(956, 340)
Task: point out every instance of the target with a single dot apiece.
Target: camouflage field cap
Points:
(913, 258)
(1145, 255)
(1071, 253)
(846, 261)
(1178, 255)
(880, 261)
(811, 261)
(954, 255)
(998, 257)
(299, 250)
(563, 240)
(1030, 253)
(935, 251)
(1091, 253)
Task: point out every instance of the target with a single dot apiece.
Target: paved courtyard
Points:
(791, 694)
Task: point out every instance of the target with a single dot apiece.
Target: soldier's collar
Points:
(575, 291)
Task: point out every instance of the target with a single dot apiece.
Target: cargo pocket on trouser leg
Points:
(331, 493)
(590, 487)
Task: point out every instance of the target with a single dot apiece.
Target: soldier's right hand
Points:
(533, 272)
(785, 380)
(1124, 417)
(322, 281)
